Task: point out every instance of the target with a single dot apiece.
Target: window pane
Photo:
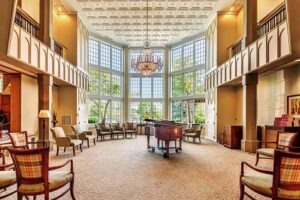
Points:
(134, 87)
(157, 87)
(144, 110)
(176, 111)
(115, 112)
(188, 88)
(134, 112)
(161, 56)
(132, 55)
(188, 55)
(116, 59)
(94, 109)
(105, 83)
(157, 110)
(200, 52)
(93, 52)
(104, 55)
(177, 84)
(105, 110)
(146, 87)
(94, 81)
(116, 85)
(176, 59)
(199, 112)
(199, 80)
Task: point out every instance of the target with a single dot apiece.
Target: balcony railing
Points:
(27, 23)
(272, 20)
(235, 48)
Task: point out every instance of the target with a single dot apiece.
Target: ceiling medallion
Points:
(146, 63)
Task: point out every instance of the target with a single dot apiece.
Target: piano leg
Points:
(166, 155)
(180, 144)
(157, 143)
(148, 141)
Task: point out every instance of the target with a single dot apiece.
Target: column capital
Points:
(249, 79)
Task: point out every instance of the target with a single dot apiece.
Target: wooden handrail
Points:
(27, 22)
(274, 18)
(235, 48)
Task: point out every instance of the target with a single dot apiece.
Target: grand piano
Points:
(165, 132)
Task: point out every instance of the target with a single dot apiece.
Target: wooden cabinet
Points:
(232, 136)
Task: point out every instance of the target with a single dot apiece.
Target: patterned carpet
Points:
(124, 169)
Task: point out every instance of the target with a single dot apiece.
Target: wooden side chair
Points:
(116, 130)
(102, 131)
(84, 135)
(283, 182)
(35, 177)
(194, 132)
(62, 140)
(20, 140)
(129, 129)
(284, 141)
(7, 177)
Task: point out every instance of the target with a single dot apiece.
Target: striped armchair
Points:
(7, 178)
(283, 182)
(35, 177)
(284, 142)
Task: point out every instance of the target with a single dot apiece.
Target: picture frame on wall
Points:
(293, 105)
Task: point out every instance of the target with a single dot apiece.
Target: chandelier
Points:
(146, 63)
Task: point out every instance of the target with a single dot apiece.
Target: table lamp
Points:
(44, 114)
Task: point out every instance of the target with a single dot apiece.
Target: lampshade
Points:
(44, 114)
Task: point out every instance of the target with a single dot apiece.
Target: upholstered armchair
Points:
(129, 129)
(20, 140)
(283, 182)
(284, 142)
(84, 135)
(102, 131)
(194, 132)
(116, 130)
(35, 177)
(62, 140)
(7, 177)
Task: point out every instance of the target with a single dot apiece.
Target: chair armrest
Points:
(81, 136)
(60, 166)
(9, 166)
(73, 136)
(88, 132)
(63, 141)
(264, 171)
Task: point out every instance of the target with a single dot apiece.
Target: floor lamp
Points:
(44, 114)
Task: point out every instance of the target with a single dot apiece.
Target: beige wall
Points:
(65, 32)
(272, 93)
(240, 23)
(264, 7)
(32, 7)
(29, 105)
(229, 108)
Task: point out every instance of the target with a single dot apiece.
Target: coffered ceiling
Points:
(124, 21)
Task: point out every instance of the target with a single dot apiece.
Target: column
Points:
(249, 141)
(45, 83)
(250, 21)
(126, 86)
(166, 84)
(45, 33)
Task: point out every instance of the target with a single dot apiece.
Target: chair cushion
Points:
(130, 131)
(266, 151)
(190, 134)
(56, 180)
(90, 137)
(263, 184)
(105, 132)
(59, 132)
(117, 132)
(7, 178)
(77, 129)
(76, 142)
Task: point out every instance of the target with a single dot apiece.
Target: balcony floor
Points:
(124, 169)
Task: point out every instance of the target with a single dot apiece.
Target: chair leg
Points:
(94, 141)
(257, 158)
(88, 143)
(57, 150)
(34, 197)
(73, 150)
(242, 191)
(65, 149)
(80, 146)
(72, 189)
(20, 196)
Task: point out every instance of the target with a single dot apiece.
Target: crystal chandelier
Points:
(146, 63)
